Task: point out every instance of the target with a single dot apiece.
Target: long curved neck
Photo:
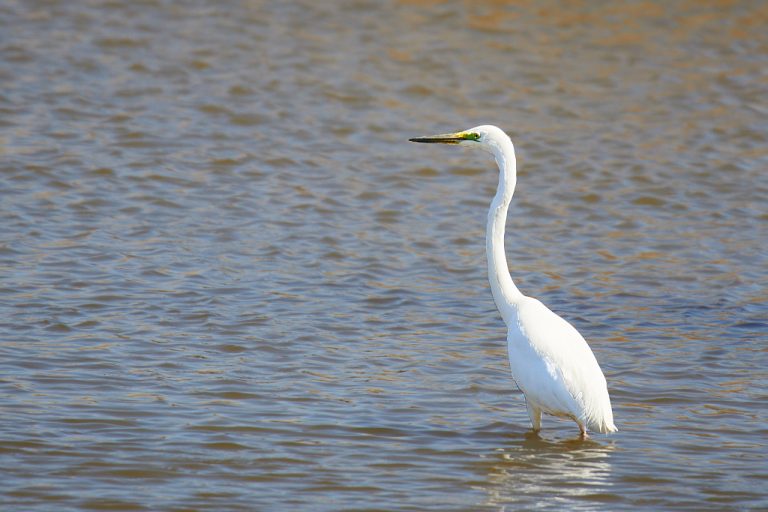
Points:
(505, 293)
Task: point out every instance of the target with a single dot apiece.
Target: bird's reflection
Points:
(534, 471)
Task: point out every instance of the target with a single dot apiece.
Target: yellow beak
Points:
(445, 138)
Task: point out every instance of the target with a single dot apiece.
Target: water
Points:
(229, 283)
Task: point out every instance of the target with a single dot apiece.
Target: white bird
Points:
(551, 362)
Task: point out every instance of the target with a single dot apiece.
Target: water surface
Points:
(230, 283)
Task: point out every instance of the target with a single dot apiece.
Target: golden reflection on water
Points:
(229, 281)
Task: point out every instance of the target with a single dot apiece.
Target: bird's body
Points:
(555, 369)
(550, 361)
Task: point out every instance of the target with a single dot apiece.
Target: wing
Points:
(555, 366)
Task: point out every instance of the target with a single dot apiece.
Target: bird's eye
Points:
(474, 136)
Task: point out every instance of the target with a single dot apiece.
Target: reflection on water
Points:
(230, 283)
(566, 475)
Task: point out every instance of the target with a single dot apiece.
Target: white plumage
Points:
(550, 361)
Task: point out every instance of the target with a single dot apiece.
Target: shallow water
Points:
(229, 283)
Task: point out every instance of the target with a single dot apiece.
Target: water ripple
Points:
(228, 280)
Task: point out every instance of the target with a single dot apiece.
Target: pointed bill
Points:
(446, 138)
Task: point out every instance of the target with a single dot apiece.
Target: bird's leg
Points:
(535, 415)
(583, 432)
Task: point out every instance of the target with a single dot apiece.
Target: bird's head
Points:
(486, 137)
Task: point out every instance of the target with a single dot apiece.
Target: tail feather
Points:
(603, 425)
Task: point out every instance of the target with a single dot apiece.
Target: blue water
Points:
(228, 282)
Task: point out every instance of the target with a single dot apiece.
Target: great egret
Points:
(550, 361)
